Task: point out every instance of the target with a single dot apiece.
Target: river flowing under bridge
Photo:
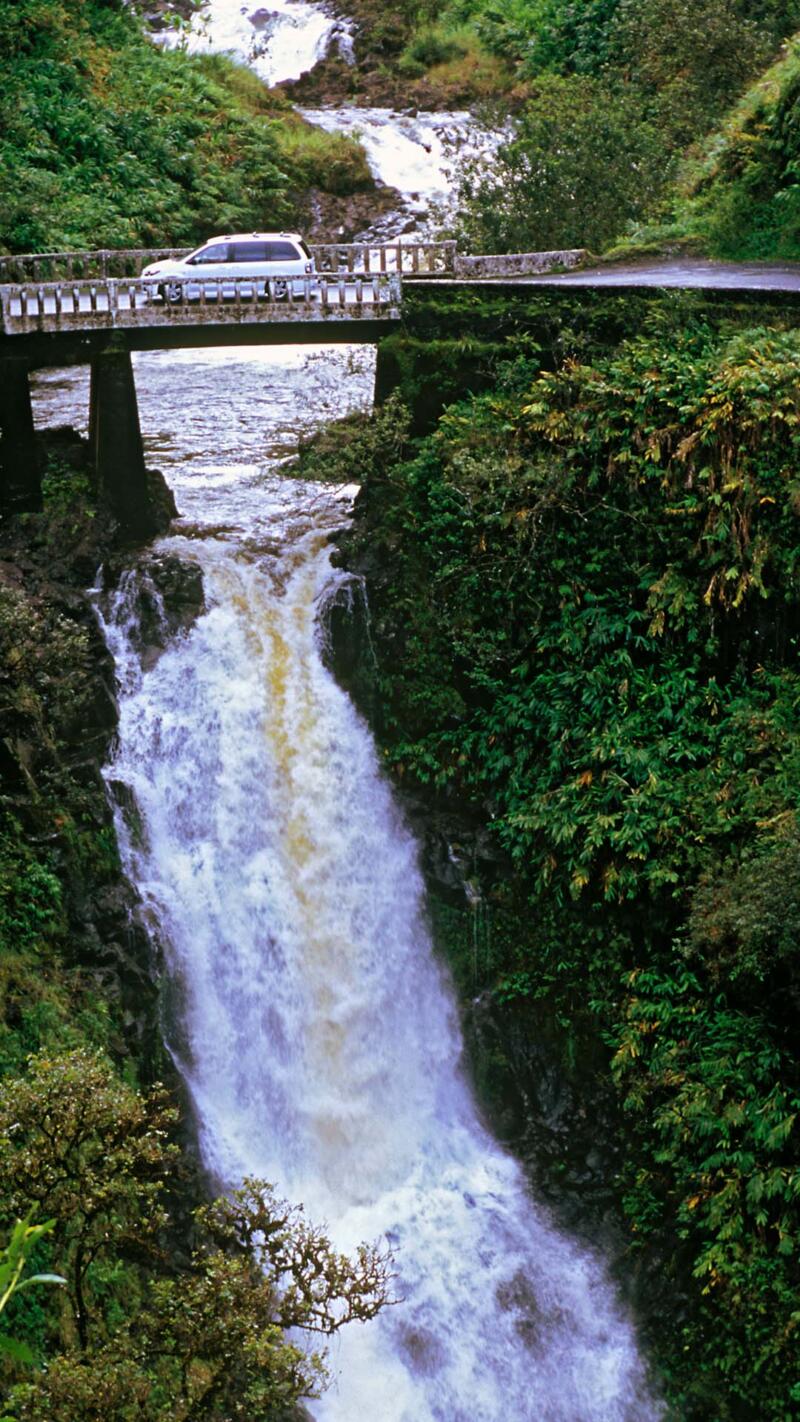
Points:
(95, 308)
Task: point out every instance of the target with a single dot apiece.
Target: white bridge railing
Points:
(89, 304)
(413, 258)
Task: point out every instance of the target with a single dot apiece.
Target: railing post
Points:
(116, 441)
(21, 488)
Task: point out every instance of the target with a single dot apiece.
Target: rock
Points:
(332, 218)
(260, 19)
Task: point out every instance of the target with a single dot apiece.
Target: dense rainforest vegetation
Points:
(585, 607)
(635, 119)
(108, 141)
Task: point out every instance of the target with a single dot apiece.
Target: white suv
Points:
(276, 263)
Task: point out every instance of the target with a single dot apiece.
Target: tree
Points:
(197, 1339)
(690, 58)
(208, 1343)
(93, 1153)
(581, 163)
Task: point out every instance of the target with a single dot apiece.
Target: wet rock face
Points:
(53, 743)
(331, 217)
(159, 14)
(168, 599)
(263, 19)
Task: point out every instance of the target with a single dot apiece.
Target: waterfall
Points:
(281, 39)
(315, 1030)
(417, 153)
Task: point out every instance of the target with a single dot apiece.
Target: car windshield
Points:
(216, 253)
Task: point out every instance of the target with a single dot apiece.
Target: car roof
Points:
(252, 236)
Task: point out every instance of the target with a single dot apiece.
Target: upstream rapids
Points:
(314, 1028)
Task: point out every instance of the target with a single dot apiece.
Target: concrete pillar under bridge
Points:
(115, 441)
(21, 486)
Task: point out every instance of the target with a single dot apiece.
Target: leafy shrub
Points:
(314, 158)
(580, 164)
(691, 58)
(431, 47)
(744, 199)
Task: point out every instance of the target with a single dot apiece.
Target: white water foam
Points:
(315, 1031)
(281, 39)
(417, 153)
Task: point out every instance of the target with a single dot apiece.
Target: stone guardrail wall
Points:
(517, 263)
(86, 305)
(410, 258)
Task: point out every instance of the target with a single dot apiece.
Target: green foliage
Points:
(706, 1086)
(690, 58)
(31, 905)
(14, 1260)
(744, 923)
(110, 141)
(313, 158)
(544, 35)
(542, 189)
(356, 447)
(430, 47)
(744, 199)
(204, 1341)
(67, 491)
(585, 602)
(593, 36)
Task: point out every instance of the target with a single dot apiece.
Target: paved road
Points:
(732, 276)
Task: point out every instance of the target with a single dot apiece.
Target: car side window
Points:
(216, 253)
(264, 252)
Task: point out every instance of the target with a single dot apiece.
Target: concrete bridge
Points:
(62, 308)
(94, 308)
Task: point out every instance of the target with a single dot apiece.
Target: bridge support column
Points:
(115, 442)
(21, 489)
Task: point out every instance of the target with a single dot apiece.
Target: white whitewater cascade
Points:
(417, 153)
(315, 1031)
(280, 39)
(414, 153)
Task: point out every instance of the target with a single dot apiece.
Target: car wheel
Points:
(173, 292)
(279, 290)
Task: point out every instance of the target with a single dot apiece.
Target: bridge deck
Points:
(55, 323)
(92, 305)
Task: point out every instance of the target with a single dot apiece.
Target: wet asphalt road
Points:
(704, 275)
